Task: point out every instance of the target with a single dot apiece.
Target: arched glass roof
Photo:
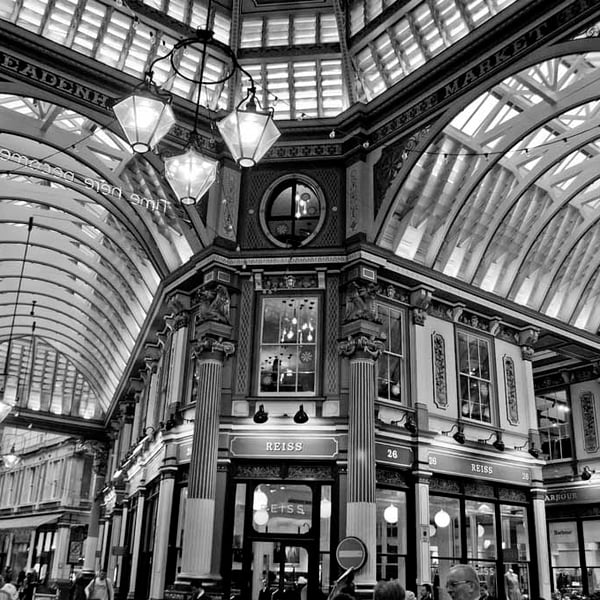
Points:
(308, 58)
(506, 197)
(87, 234)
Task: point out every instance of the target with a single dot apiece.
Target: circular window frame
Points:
(267, 196)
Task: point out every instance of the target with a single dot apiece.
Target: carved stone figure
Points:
(214, 305)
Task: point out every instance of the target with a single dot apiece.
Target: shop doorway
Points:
(284, 569)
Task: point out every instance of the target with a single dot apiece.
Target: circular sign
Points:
(351, 553)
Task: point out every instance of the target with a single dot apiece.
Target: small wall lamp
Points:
(261, 416)
(300, 416)
(498, 443)
(409, 423)
(532, 449)
(459, 436)
(587, 473)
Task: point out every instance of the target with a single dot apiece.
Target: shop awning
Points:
(31, 522)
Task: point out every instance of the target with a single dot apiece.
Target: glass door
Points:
(280, 570)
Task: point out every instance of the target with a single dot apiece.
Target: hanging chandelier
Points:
(147, 116)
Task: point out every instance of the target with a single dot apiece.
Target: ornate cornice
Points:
(355, 346)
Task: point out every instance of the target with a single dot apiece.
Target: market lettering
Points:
(57, 82)
(284, 446)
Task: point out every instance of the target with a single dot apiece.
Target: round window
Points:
(292, 212)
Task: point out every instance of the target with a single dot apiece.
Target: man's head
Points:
(102, 574)
(388, 590)
(462, 583)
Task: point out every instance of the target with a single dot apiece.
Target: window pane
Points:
(480, 530)
(553, 415)
(288, 349)
(444, 528)
(515, 540)
(282, 508)
(474, 377)
(390, 366)
(391, 535)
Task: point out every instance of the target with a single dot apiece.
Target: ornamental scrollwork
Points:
(440, 395)
(512, 407)
(213, 304)
(360, 303)
(369, 345)
(588, 418)
(210, 344)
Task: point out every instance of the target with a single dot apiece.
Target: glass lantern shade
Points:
(190, 175)
(5, 409)
(249, 135)
(145, 120)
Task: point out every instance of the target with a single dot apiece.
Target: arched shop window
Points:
(391, 538)
(292, 211)
(490, 535)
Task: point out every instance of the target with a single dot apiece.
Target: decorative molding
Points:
(392, 477)
(526, 338)
(360, 303)
(353, 198)
(441, 484)
(392, 160)
(512, 495)
(440, 383)
(315, 473)
(512, 406)
(287, 281)
(588, 418)
(420, 300)
(244, 356)
(361, 344)
(477, 488)
(332, 363)
(209, 344)
(258, 471)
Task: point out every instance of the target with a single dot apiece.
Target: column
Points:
(118, 567)
(179, 323)
(99, 451)
(422, 532)
(115, 535)
(210, 350)
(60, 568)
(137, 540)
(168, 470)
(542, 558)
(362, 347)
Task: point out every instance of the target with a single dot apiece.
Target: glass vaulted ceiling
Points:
(76, 288)
(508, 193)
(328, 69)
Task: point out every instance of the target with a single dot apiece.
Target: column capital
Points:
(210, 345)
(526, 338)
(420, 300)
(361, 346)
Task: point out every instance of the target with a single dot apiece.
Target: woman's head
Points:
(389, 590)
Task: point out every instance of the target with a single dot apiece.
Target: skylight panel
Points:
(478, 11)
(305, 30)
(329, 30)
(452, 20)
(278, 31)
(7, 8)
(305, 87)
(31, 15)
(154, 3)
(332, 91)
(59, 20)
(176, 9)
(89, 28)
(110, 48)
(251, 33)
(139, 50)
(222, 28)
(198, 17)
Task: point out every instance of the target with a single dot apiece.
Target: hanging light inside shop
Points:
(260, 499)
(390, 514)
(146, 116)
(442, 518)
(11, 459)
(261, 517)
(325, 508)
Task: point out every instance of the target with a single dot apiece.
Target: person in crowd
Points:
(77, 591)
(427, 593)
(99, 588)
(198, 591)
(410, 595)
(389, 590)
(9, 587)
(462, 583)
